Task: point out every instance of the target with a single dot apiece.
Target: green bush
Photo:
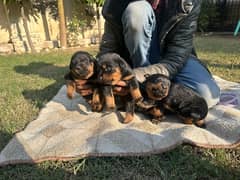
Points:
(209, 12)
(82, 19)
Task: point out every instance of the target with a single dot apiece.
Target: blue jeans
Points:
(141, 38)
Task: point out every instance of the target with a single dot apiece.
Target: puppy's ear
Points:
(68, 76)
(92, 58)
(169, 83)
(96, 66)
(121, 62)
(125, 68)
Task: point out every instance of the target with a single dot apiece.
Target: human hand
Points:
(83, 88)
(140, 72)
(121, 88)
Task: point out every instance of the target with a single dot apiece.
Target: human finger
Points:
(85, 92)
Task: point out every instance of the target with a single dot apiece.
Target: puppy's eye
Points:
(103, 66)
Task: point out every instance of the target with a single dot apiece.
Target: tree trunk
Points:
(25, 25)
(62, 24)
(8, 26)
(45, 24)
(99, 23)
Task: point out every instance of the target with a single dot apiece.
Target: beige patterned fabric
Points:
(67, 129)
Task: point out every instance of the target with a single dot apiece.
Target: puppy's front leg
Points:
(157, 114)
(186, 120)
(134, 90)
(200, 123)
(71, 88)
(109, 98)
(137, 95)
(96, 103)
(130, 105)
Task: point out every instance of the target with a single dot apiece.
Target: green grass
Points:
(222, 55)
(29, 81)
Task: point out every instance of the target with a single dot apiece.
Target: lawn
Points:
(29, 81)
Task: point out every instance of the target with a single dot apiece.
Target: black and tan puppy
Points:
(183, 101)
(112, 69)
(83, 68)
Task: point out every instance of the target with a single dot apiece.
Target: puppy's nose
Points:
(156, 91)
(81, 65)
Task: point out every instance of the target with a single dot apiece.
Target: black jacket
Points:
(179, 22)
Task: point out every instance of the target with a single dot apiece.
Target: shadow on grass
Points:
(176, 164)
(4, 138)
(34, 172)
(47, 170)
(44, 70)
(180, 163)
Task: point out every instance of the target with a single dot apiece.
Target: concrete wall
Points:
(36, 29)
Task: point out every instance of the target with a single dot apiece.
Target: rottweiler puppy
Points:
(83, 67)
(112, 69)
(183, 101)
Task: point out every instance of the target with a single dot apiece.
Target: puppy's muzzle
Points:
(158, 93)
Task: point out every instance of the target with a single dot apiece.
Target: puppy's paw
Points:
(145, 105)
(200, 123)
(70, 95)
(70, 89)
(96, 106)
(110, 108)
(188, 121)
(157, 120)
(110, 103)
(156, 112)
(128, 118)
